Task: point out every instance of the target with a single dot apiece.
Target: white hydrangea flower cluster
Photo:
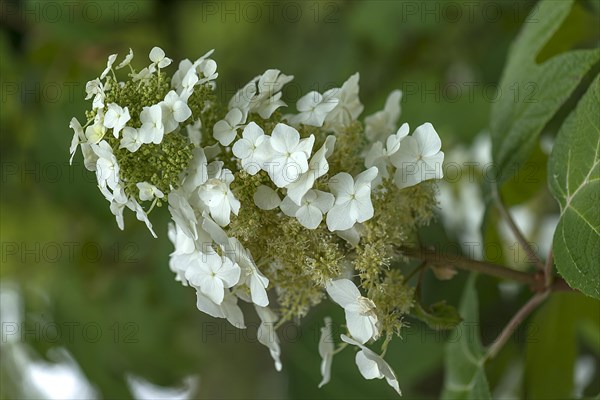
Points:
(200, 151)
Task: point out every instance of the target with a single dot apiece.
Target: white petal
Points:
(344, 292)
(207, 306)
(359, 326)
(309, 101)
(409, 175)
(306, 145)
(242, 149)
(384, 369)
(229, 272)
(284, 138)
(366, 177)
(340, 217)
(326, 349)
(324, 201)
(181, 111)
(310, 217)
(351, 236)
(296, 190)
(213, 289)
(431, 168)
(232, 311)
(234, 117)
(258, 292)
(428, 139)
(407, 154)
(215, 232)
(266, 333)
(156, 54)
(341, 183)
(266, 198)
(225, 134)
(252, 132)
(364, 207)
(367, 367)
(288, 207)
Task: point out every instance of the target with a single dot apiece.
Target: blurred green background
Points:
(81, 296)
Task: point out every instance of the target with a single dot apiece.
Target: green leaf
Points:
(530, 93)
(552, 345)
(465, 373)
(438, 316)
(574, 179)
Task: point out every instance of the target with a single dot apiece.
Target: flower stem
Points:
(483, 267)
(516, 320)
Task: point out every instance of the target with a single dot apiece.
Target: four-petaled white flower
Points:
(268, 98)
(194, 132)
(313, 108)
(380, 125)
(131, 139)
(158, 58)
(262, 94)
(251, 275)
(107, 168)
(152, 129)
(326, 351)
(187, 85)
(148, 191)
(185, 248)
(174, 111)
(219, 198)
(127, 60)
(109, 64)
(144, 74)
(380, 155)
(288, 155)
(78, 136)
(252, 148)
(352, 199)
(212, 274)
(317, 167)
(419, 157)
(227, 309)
(372, 366)
(141, 215)
(360, 311)
(314, 204)
(349, 106)
(183, 214)
(95, 133)
(116, 117)
(96, 88)
(267, 335)
(208, 68)
(225, 130)
(197, 171)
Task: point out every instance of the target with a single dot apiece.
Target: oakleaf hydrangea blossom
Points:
(373, 366)
(419, 157)
(314, 107)
(270, 208)
(287, 156)
(383, 123)
(380, 154)
(326, 351)
(361, 318)
(352, 199)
